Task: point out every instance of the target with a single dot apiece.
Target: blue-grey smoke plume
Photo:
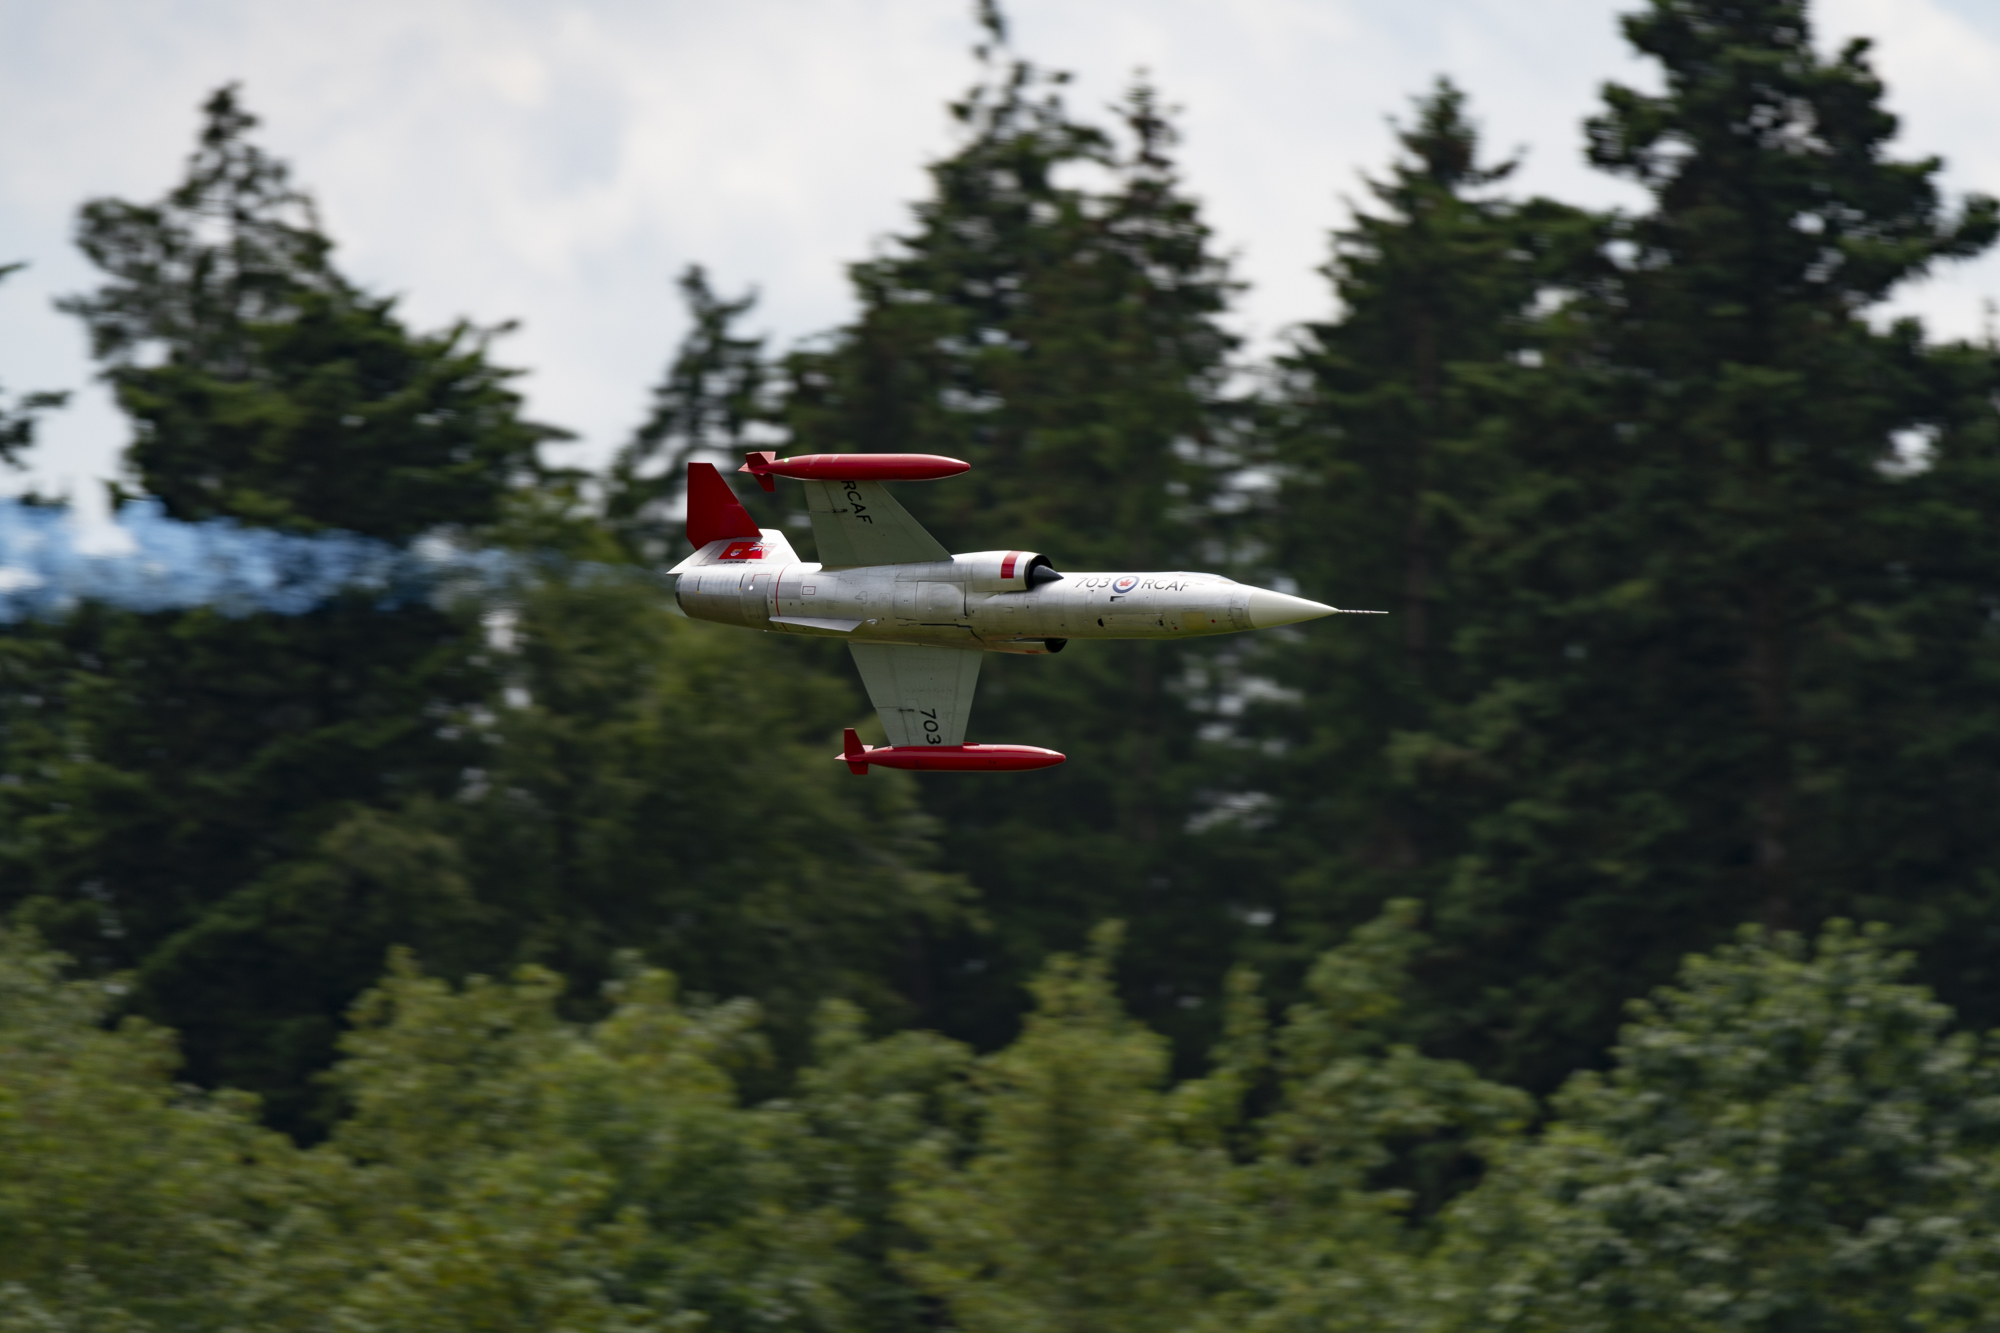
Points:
(161, 564)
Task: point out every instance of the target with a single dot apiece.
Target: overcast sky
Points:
(557, 162)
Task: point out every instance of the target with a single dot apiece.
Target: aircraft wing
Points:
(860, 523)
(924, 695)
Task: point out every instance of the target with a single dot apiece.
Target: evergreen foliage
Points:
(125, 1201)
(1689, 588)
(187, 789)
(494, 1166)
(263, 385)
(1064, 339)
(1382, 433)
(248, 812)
(1693, 587)
(1789, 1138)
(628, 799)
(713, 392)
(17, 423)
(1080, 1207)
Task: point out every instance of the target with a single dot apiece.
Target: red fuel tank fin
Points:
(855, 753)
(758, 464)
(713, 510)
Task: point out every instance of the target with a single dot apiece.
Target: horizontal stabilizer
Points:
(713, 511)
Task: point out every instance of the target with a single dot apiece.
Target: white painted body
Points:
(963, 603)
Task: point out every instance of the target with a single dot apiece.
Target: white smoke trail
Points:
(162, 564)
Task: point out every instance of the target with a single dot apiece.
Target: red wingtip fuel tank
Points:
(764, 465)
(947, 758)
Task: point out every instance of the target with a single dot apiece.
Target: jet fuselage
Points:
(918, 620)
(1000, 601)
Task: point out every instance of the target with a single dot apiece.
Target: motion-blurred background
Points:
(505, 950)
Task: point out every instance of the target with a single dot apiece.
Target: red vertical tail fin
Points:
(713, 510)
(855, 753)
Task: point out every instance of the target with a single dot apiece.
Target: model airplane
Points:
(915, 616)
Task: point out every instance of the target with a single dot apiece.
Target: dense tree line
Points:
(248, 811)
(1241, 1016)
(1788, 1137)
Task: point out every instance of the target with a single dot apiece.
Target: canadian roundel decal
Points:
(1125, 584)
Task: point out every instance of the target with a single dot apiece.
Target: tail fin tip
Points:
(713, 511)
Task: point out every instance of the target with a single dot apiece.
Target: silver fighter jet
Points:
(916, 617)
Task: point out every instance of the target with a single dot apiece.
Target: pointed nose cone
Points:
(1269, 608)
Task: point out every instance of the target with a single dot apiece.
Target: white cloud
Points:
(558, 162)
(1941, 65)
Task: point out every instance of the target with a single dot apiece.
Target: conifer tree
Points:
(249, 812)
(656, 785)
(1381, 431)
(17, 423)
(266, 387)
(183, 788)
(1686, 597)
(1064, 340)
(712, 393)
